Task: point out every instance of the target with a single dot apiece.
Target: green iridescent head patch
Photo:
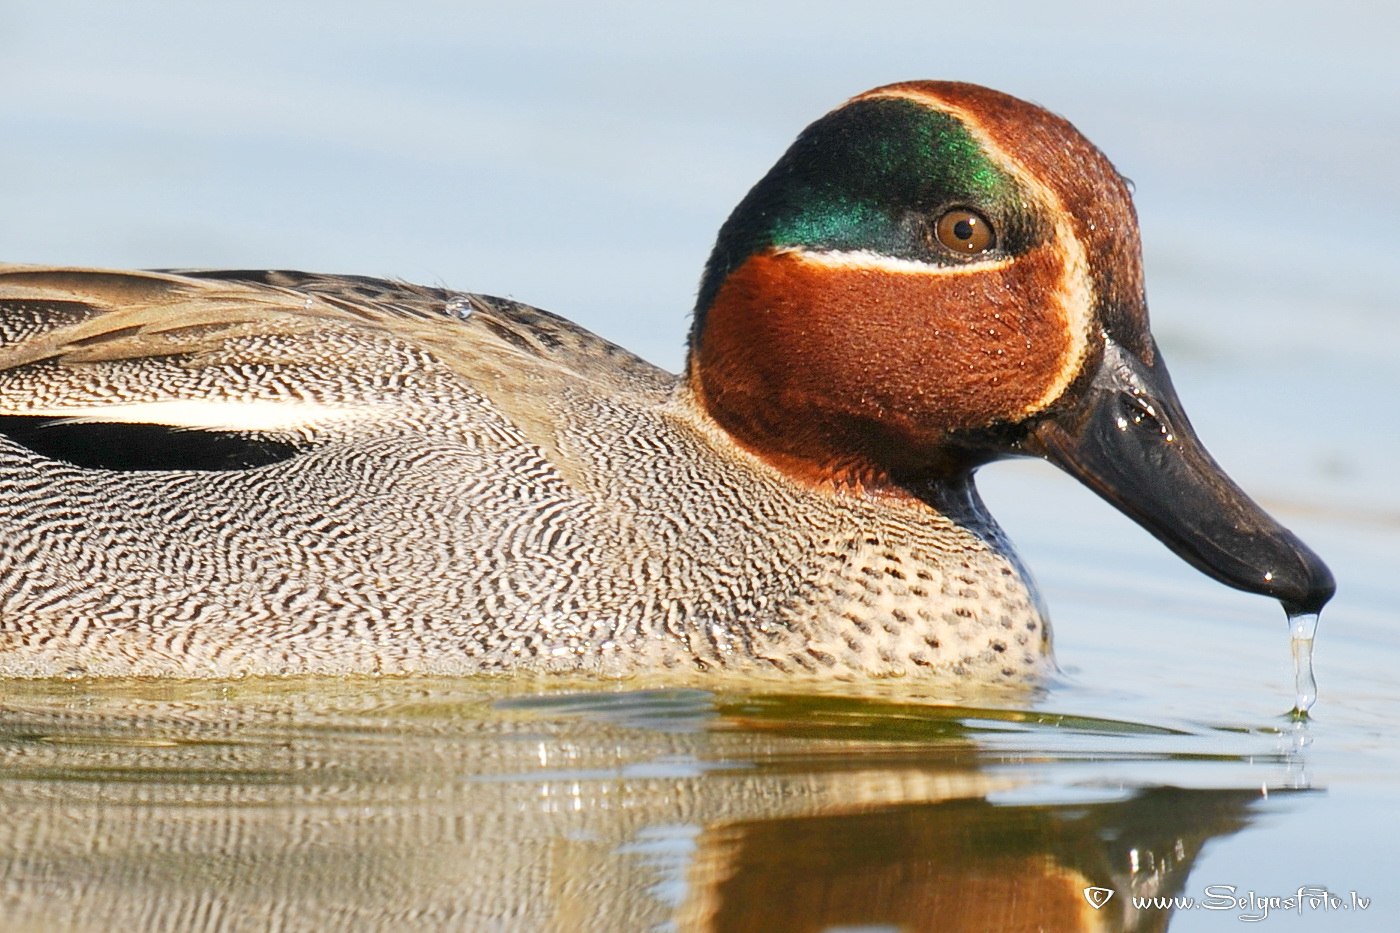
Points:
(869, 176)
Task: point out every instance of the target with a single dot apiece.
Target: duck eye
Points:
(965, 232)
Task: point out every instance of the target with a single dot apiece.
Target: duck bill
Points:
(1130, 441)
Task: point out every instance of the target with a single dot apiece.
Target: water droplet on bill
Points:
(460, 308)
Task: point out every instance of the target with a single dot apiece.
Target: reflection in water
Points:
(960, 865)
(433, 805)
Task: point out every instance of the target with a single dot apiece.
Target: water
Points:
(423, 803)
(582, 159)
(1302, 629)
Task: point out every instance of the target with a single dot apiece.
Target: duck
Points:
(235, 473)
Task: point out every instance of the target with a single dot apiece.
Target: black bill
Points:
(1130, 441)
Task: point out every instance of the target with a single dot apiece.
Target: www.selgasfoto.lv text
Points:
(1253, 907)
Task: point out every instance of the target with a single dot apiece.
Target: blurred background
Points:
(581, 157)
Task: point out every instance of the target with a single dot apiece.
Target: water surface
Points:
(425, 804)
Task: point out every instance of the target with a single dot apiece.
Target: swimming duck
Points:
(228, 473)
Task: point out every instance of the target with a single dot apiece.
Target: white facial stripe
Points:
(227, 415)
(866, 259)
(1074, 293)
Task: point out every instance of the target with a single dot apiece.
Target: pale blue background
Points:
(581, 157)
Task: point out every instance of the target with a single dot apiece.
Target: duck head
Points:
(936, 275)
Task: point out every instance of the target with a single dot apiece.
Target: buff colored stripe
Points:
(209, 415)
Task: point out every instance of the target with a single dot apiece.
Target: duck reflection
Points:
(443, 805)
(961, 865)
